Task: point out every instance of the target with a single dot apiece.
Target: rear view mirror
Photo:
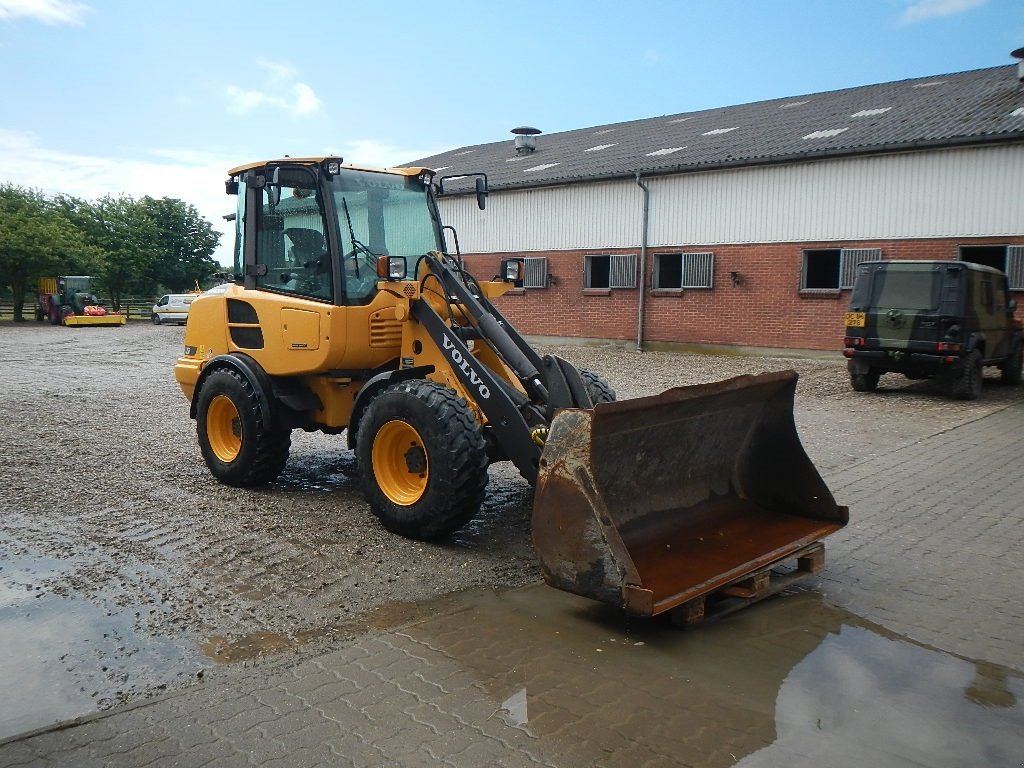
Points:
(274, 189)
(481, 192)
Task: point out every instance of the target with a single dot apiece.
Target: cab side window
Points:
(290, 239)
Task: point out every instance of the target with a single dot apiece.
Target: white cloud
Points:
(281, 92)
(306, 101)
(923, 10)
(279, 72)
(189, 175)
(47, 11)
(241, 102)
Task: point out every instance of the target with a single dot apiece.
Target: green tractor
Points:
(69, 300)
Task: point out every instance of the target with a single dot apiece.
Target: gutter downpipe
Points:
(643, 265)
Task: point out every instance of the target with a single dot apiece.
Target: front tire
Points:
(422, 459)
(967, 382)
(598, 388)
(155, 318)
(1013, 365)
(235, 437)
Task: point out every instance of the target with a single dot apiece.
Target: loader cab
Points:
(315, 228)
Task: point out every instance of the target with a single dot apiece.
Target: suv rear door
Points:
(902, 304)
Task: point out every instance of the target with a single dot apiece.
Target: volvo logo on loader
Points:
(463, 365)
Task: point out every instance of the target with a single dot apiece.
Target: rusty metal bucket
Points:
(650, 503)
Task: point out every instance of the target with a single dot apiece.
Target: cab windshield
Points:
(380, 214)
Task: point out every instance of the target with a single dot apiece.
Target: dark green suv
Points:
(931, 319)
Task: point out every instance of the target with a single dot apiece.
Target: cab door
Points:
(289, 307)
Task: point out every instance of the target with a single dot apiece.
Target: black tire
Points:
(236, 442)
(422, 459)
(966, 383)
(40, 315)
(865, 382)
(598, 388)
(155, 318)
(55, 315)
(1012, 366)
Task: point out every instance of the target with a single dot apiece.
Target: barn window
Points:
(610, 271)
(683, 270)
(833, 269)
(535, 272)
(1005, 258)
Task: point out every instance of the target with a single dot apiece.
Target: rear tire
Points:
(236, 442)
(598, 388)
(1013, 365)
(967, 383)
(865, 382)
(422, 459)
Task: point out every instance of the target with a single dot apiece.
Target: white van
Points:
(173, 308)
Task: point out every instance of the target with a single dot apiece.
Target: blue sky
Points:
(161, 97)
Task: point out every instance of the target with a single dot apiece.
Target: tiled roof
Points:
(945, 110)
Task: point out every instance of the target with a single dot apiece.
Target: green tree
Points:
(185, 244)
(126, 240)
(34, 237)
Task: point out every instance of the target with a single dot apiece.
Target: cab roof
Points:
(412, 171)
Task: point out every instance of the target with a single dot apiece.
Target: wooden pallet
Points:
(761, 584)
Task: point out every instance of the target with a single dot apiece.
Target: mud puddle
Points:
(791, 681)
(67, 657)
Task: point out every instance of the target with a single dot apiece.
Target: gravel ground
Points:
(107, 503)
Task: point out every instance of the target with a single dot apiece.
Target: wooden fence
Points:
(133, 309)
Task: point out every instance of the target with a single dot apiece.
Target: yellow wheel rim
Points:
(224, 429)
(400, 463)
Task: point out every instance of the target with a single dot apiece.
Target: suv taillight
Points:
(854, 341)
(947, 346)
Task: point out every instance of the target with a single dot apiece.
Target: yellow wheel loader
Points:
(348, 314)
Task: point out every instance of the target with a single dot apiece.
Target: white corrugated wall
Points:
(929, 194)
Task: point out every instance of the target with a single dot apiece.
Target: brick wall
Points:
(766, 309)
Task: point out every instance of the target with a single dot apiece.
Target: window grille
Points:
(535, 272)
(683, 270)
(850, 259)
(832, 269)
(622, 272)
(610, 271)
(1015, 266)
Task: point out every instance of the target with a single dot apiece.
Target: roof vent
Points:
(525, 141)
(1019, 54)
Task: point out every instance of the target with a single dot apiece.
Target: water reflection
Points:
(65, 657)
(792, 681)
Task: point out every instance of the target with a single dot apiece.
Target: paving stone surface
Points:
(932, 557)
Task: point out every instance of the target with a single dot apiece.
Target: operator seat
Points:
(310, 252)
